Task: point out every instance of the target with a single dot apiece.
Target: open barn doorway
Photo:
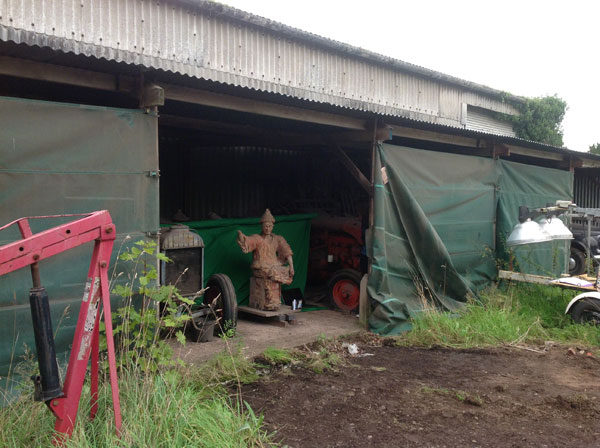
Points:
(229, 166)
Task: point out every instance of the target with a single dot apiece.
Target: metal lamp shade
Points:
(527, 232)
(556, 229)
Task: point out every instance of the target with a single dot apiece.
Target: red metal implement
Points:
(97, 227)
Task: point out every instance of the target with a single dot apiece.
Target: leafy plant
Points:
(540, 120)
(594, 149)
(150, 313)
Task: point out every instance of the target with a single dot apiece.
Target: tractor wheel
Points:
(344, 289)
(586, 311)
(576, 262)
(220, 295)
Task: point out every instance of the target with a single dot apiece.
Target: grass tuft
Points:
(173, 408)
(522, 314)
(277, 357)
(227, 367)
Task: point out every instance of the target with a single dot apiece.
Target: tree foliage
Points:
(595, 148)
(540, 120)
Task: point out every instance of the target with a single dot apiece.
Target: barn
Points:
(155, 110)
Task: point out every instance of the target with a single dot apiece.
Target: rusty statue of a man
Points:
(272, 264)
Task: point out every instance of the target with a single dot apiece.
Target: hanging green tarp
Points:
(534, 187)
(434, 236)
(223, 255)
(58, 158)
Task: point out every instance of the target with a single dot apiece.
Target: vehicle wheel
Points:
(220, 295)
(344, 289)
(576, 262)
(586, 311)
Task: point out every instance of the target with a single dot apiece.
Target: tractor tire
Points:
(344, 289)
(577, 262)
(220, 295)
(586, 311)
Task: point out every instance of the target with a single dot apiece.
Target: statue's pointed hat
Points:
(267, 217)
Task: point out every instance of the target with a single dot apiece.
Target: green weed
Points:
(512, 315)
(458, 395)
(277, 357)
(227, 367)
(162, 410)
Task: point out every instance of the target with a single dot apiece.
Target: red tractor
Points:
(336, 250)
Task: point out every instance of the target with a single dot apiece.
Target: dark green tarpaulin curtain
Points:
(534, 187)
(223, 255)
(435, 227)
(58, 158)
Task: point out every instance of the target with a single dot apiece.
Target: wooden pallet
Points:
(283, 317)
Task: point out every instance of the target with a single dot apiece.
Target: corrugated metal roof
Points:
(214, 42)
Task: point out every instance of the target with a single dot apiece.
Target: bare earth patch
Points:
(409, 397)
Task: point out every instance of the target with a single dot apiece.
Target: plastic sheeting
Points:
(58, 159)
(438, 220)
(223, 255)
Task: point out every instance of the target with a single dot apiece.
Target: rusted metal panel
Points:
(214, 42)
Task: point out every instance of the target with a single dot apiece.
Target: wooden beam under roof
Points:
(239, 104)
(438, 137)
(355, 171)
(40, 71)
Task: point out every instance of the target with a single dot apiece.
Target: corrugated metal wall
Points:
(586, 189)
(479, 120)
(238, 182)
(165, 35)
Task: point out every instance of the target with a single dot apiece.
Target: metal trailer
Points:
(583, 308)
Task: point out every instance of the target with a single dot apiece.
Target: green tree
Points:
(595, 148)
(540, 120)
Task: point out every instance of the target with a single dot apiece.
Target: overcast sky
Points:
(527, 47)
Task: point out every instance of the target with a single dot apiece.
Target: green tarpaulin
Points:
(438, 220)
(223, 255)
(58, 158)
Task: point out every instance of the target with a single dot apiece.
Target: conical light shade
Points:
(556, 229)
(527, 232)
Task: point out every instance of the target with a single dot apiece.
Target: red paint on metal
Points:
(346, 294)
(96, 227)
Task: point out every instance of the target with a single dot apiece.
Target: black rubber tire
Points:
(578, 256)
(586, 311)
(221, 295)
(349, 276)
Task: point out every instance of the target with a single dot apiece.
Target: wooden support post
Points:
(351, 167)
(364, 309)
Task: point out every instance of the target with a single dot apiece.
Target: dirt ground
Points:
(408, 397)
(256, 336)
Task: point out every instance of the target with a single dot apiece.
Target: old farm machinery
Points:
(29, 251)
(98, 227)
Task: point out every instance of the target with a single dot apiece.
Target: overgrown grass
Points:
(321, 356)
(517, 314)
(175, 408)
(276, 356)
(225, 368)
